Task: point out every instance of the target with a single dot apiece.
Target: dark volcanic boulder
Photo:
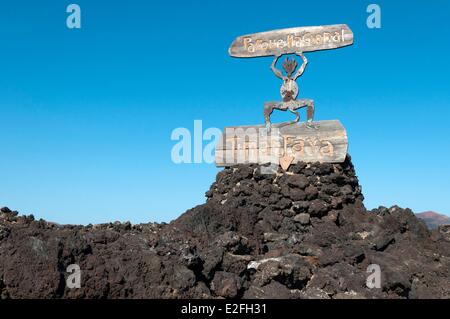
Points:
(299, 234)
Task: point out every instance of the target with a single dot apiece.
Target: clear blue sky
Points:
(86, 115)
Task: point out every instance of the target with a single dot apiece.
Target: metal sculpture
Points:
(291, 41)
(289, 92)
(286, 143)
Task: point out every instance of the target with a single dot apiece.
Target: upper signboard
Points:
(291, 40)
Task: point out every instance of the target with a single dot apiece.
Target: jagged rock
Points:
(301, 206)
(444, 230)
(274, 237)
(311, 192)
(302, 218)
(274, 290)
(236, 264)
(297, 195)
(313, 293)
(349, 295)
(317, 207)
(299, 181)
(226, 284)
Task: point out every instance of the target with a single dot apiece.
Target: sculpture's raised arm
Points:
(274, 68)
(302, 68)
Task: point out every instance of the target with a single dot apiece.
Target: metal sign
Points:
(291, 40)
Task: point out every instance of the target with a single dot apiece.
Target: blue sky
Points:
(87, 115)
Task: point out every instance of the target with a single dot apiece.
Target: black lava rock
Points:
(304, 233)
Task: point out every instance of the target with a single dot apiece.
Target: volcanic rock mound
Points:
(303, 233)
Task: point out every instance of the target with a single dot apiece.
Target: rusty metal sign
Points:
(291, 40)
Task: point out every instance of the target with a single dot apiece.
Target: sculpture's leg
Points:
(310, 115)
(293, 109)
(268, 109)
(309, 104)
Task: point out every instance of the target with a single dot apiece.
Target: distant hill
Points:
(433, 219)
